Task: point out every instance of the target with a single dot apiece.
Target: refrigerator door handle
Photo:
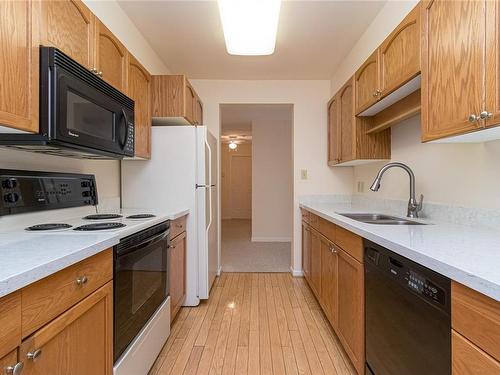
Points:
(207, 145)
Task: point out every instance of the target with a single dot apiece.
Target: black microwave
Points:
(81, 115)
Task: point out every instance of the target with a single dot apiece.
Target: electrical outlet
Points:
(361, 186)
(303, 174)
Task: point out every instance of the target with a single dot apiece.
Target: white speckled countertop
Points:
(26, 257)
(468, 255)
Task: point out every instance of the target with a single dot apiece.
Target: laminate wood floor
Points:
(254, 323)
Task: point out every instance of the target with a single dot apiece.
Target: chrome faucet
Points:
(413, 206)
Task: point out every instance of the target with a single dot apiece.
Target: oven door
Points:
(85, 116)
(140, 286)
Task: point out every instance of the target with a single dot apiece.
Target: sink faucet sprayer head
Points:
(376, 185)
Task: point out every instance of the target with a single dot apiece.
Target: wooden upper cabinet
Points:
(111, 58)
(78, 342)
(333, 132)
(175, 101)
(399, 54)
(139, 89)
(18, 66)
(453, 66)
(68, 25)
(351, 309)
(367, 83)
(346, 120)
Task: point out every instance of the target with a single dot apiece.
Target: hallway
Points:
(254, 323)
(239, 254)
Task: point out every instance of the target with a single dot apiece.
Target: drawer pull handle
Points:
(17, 369)
(82, 280)
(34, 354)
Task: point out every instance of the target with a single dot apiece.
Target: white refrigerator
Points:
(182, 174)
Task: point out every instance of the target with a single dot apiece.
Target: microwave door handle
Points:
(125, 128)
(147, 242)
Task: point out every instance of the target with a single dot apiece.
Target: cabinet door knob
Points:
(376, 93)
(34, 354)
(82, 280)
(17, 369)
(99, 74)
(485, 115)
(473, 118)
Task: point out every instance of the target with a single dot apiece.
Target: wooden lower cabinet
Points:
(468, 359)
(315, 278)
(177, 273)
(306, 250)
(351, 308)
(9, 362)
(329, 274)
(78, 342)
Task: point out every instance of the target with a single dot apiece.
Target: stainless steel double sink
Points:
(380, 219)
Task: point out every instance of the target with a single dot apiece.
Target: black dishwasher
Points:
(408, 326)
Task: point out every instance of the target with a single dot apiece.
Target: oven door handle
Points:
(147, 242)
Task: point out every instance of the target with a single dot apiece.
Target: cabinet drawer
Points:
(10, 322)
(44, 300)
(305, 215)
(314, 221)
(177, 227)
(476, 317)
(468, 359)
(327, 229)
(351, 243)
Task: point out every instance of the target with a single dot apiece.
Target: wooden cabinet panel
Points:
(111, 58)
(493, 62)
(346, 120)
(18, 66)
(367, 83)
(78, 342)
(49, 297)
(329, 277)
(8, 362)
(400, 54)
(178, 226)
(139, 89)
(190, 104)
(468, 359)
(315, 263)
(68, 25)
(10, 322)
(327, 229)
(306, 251)
(199, 111)
(351, 309)
(477, 317)
(177, 273)
(453, 66)
(334, 133)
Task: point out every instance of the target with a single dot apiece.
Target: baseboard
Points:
(296, 273)
(219, 271)
(271, 239)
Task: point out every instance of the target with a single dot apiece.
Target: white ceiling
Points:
(313, 37)
(236, 119)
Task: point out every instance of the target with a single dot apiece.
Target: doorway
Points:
(256, 187)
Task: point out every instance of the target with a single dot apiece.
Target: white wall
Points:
(107, 172)
(309, 99)
(272, 183)
(452, 174)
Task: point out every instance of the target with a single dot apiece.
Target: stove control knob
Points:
(9, 183)
(85, 184)
(11, 197)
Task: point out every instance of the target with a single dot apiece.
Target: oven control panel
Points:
(24, 191)
(425, 287)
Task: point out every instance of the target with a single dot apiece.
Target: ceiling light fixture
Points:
(250, 26)
(232, 145)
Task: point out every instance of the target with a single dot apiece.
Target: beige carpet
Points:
(239, 254)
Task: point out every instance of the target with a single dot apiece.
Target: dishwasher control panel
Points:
(423, 286)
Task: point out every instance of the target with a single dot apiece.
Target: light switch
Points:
(303, 174)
